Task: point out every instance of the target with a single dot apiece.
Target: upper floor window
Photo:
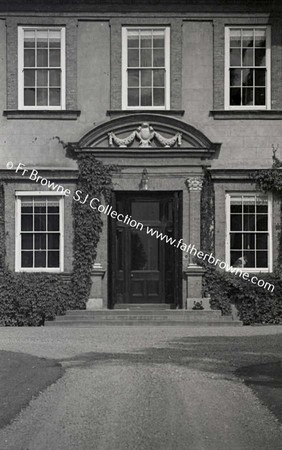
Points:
(39, 232)
(41, 62)
(249, 231)
(145, 68)
(247, 68)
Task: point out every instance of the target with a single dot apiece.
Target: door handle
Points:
(131, 275)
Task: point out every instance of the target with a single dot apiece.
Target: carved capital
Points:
(194, 183)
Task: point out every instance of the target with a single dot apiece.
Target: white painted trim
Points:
(227, 105)
(124, 97)
(21, 69)
(270, 231)
(18, 267)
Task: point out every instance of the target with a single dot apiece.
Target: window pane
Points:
(248, 78)
(133, 58)
(262, 259)
(159, 78)
(248, 37)
(42, 38)
(42, 78)
(262, 222)
(249, 222)
(260, 57)
(42, 57)
(53, 241)
(159, 96)
(27, 241)
(53, 223)
(54, 58)
(132, 39)
(236, 208)
(146, 39)
(39, 207)
(146, 58)
(27, 259)
(260, 96)
(260, 77)
(235, 38)
(158, 40)
(235, 77)
(146, 97)
(249, 259)
(27, 223)
(54, 38)
(146, 78)
(159, 58)
(133, 78)
(260, 38)
(29, 78)
(53, 259)
(40, 259)
(235, 57)
(133, 97)
(249, 206)
(29, 58)
(248, 57)
(40, 241)
(55, 78)
(29, 39)
(235, 96)
(52, 209)
(236, 259)
(248, 95)
(249, 241)
(236, 241)
(236, 222)
(40, 222)
(262, 241)
(42, 97)
(55, 97)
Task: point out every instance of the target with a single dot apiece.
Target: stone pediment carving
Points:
(145, 134)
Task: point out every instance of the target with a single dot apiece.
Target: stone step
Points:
(142, 317)
(91, 323)
(148, 313)
(138, 306)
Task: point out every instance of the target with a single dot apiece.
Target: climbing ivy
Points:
(94, 179)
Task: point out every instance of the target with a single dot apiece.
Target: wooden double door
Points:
(144, 259)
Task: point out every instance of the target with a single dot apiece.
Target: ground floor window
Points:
(39, 232)
(249, 231)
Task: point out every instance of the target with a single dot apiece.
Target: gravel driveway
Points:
(146, 388)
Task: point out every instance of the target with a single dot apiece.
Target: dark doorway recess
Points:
(144, 268)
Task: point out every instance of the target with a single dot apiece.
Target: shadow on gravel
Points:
(256, 360)
(23, 377)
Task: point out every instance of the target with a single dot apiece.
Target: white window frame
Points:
(124, 67)
(227, 67)
(228, 196)
(21, 68)
(18, 249)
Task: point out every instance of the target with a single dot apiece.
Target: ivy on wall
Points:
(254, 304)
(28, 299)
(94, 179)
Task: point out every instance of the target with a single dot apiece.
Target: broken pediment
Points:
(145, 132)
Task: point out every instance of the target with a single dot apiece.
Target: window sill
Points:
(259, 114)
(165, 112)
(41, 114)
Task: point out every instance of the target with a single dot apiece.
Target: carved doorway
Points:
(145, 268)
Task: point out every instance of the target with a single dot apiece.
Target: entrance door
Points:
(145, 268)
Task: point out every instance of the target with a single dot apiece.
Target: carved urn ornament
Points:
(145, 134)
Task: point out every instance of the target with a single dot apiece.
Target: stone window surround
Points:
(219, 111)
(70, 25)
(228, 197)
(175, 25)
(19, 195)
